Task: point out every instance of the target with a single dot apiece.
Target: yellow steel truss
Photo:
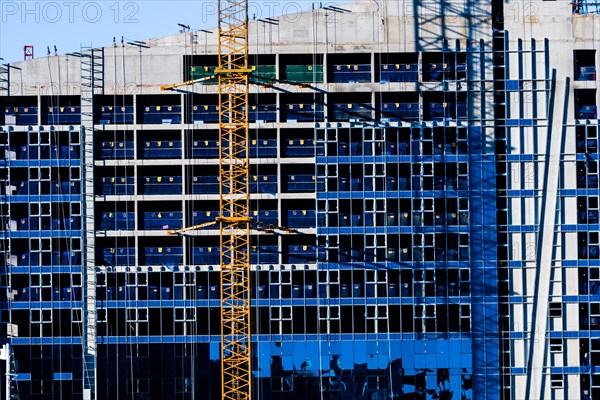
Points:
(234, 220)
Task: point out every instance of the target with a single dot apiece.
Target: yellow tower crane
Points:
(234, 219)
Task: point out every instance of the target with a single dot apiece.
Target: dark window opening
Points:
(585, 104)
(585, 65)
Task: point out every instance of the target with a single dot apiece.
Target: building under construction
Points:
(423, 190)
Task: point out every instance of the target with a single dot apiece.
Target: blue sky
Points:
(67, 24)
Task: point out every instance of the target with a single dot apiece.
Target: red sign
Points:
(28, 52)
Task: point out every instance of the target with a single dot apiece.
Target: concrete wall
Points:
(366, 26)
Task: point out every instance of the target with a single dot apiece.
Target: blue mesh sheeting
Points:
(589, 181)
(259, 292)
(71, 223)
(28, 294)
(358, 184)
(303, 112)
(117, 221)
(395, 183)
(588, 145)
(202, 292)
(162, 256)
(205, 255)
(69, 152)
(266, 216)
(400, 111)
(299, 148)
(29, 258)
(166, 293)
(122, 256)
(300, 183)
(64, 115)
(592, 252)
(115, 150)
(347, 255)
(586, 112)
(258, 148)
(301, 219)
(27, 188)
(46, 152)
(587, 217)
(587, 73)
(350, 220)
(399, 73)
(461, 111)
(309, 291)
(153, 220)
(22, 115)
(161, 149)
(108, 185)
(392, 218)
(262, 112)
(437, 111)
(71, 294)
(205, 149)
(205, 114)
(343, 149)
(352, 111)
(26, 152)
(28, 224)
(444, 111)
(436, 71)
(115, 115)
(263, 184)
(263, 148)
(104, 294)
(65, 187)
(300, 254)
(343, 184)
(393, 254)
(200, 217)
(161, 185)
(125, 293)
(264, 255)
(70, 257)
(348, 73)
(207, 184)
(161, 115)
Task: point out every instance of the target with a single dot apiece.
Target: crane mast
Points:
(234, 220)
